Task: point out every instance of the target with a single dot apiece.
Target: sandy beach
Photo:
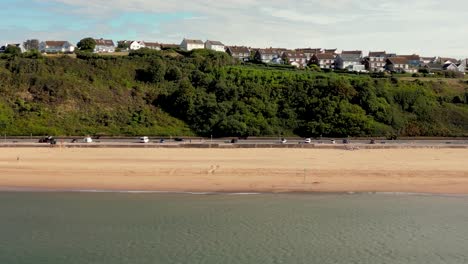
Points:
(236, 170)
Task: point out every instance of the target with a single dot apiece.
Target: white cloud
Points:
(429, 27)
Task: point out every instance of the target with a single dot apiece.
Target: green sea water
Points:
(178, 228)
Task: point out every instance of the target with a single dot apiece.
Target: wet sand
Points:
(441, 171)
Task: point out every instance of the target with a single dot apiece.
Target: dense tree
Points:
(13, 50)
(31, 44)
(86, 44)
(207, 93)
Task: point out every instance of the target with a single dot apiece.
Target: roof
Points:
(310, 50)
(398, 60)
(350, 57)
(240, 49)
(104, 42)
(325, 56)
(352, 52)
(441, 59)
(215, 42)
(193, 41)
(411, 57)
(434, 66)
(152, 44)
(54, 43)
(270, 51)
(377, 54)
(329, 50)
(294, 54)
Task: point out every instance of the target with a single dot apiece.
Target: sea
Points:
(111, 228)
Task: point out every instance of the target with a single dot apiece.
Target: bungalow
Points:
(295, 58)
(350, 60)
(240, 53)
(51, 46)
(104, 46)
(376, 61)
(443, 60)
(268, 55)
(152, 45)
(397, 64)
(433, 67)
(191, 44)
(214, 45)
(323, 60)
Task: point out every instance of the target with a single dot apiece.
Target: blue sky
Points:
(426, 27)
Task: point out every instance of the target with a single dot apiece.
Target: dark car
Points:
(47, 139)
(179, 139)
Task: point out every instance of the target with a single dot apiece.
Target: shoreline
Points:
(239, 193)
(442, 171)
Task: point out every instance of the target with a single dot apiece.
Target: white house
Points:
(104, 46)
(52, 46)
(350, 60)
(191, 44)
(136, 45)
(214, 45)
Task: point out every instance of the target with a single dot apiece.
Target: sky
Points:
(424, 27)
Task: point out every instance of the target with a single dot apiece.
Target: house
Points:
(191, 44)
(240, 53)
(323, 60)
(130, 44)
(376, 61)
(52, 46)
(350, 60)
(433, 67)
(214, 45)
(3, 48)
(397, 64)
(427, 60)
(309, 52)
(413, 60)
(443, 60)
(331, 51)
(152, 45)
(450, 67)
(295, 58)
(104, 46)
(268, 55)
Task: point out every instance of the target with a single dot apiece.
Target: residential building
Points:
(376, 61)
(214, 45)
(413, 60)
(240, 53)
(191, 44)
(52, 46)
(323, 60)
(268, 55)
(443, 60)
(433, 67)
(152, 45)
(309, 52)
(104, 46)
(130, 44)
(350, 60)
(295, 58)
(331, 51)
(427, 60)
(397, 64)
(451, 67)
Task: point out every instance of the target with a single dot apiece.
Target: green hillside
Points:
(207, 93)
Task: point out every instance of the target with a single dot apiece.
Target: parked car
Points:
(333, 141)
(307, 141)
(47, 139)
(162, 140)
(144, 140)
(88, 140)
(284, 141)
(179, 139)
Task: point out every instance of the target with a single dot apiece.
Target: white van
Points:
(88, 140)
